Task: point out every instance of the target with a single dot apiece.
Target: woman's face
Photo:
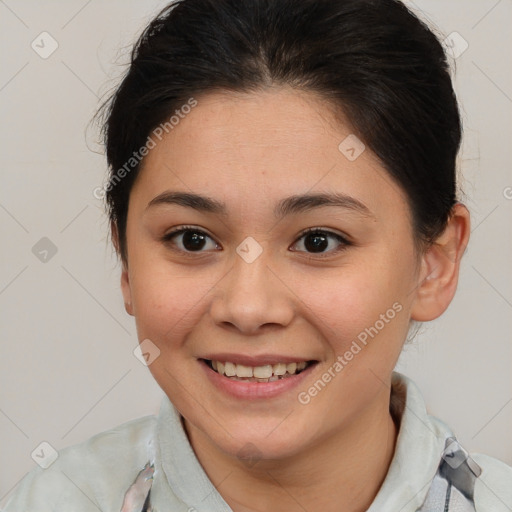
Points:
(244, 285)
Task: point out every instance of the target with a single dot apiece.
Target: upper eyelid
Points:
(181, 229)
(323, 230)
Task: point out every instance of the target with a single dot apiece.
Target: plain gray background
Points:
(67, 368)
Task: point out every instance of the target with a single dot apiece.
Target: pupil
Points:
(319, 242)
(192, 240)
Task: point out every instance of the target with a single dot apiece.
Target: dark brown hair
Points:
(373, 59)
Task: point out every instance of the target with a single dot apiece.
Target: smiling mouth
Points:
(265, 373)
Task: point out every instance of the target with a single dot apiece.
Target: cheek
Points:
(167, 302)
(356, 301)
(349, 298)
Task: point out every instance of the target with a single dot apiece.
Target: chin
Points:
(252, 440)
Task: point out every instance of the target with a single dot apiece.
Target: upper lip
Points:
(259, 360)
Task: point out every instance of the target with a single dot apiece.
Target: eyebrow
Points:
(288, 206)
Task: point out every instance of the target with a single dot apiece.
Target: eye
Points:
(192, 239)
(316, 241)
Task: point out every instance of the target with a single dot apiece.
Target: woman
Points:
(282, 196)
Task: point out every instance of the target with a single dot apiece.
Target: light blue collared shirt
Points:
(111, 471)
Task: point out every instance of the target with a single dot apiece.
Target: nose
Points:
(252, 297)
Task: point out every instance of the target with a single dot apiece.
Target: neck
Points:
(342, 472)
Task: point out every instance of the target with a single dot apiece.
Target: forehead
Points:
(263, 146)
(232, 123)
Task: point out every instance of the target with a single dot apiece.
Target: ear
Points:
(125, 277)
(440, 264)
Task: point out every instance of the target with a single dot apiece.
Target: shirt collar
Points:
(419, 447)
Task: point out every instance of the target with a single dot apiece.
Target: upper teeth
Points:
(260, 372)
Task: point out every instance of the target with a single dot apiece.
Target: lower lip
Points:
(255, 390)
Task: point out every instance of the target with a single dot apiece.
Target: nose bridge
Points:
(252, 295)
(250, 269)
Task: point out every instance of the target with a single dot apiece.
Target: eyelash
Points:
(344, 241)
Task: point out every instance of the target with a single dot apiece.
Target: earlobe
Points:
(439, 273)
